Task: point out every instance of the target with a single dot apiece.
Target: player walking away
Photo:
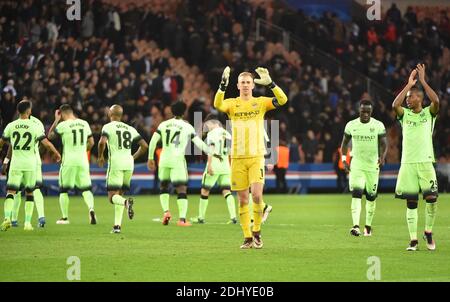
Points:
(216, 171)
(175, 134)
(37, 194)
(76, 137)
(417, 173)
(119, 137)
(247, 155)
(23, 135)
(369, 142)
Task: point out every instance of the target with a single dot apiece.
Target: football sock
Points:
(118, 214)
(9, 203)
(430, 214)
(202, 206)
(118, 200)
(16, 206)
(64, 204)
(39, 201)
(411, 218)
(182, 205)
(88, 199)
(370, 211)
(250, 205)
(29, 207)
(164, 199)
(356, 210)
(231, 205)
(263, 204)
(244, 217)
(257, 216)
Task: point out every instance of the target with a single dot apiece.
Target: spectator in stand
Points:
(310, 147)
(281, 167)
(372, 37)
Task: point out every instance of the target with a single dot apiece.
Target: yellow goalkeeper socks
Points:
(244, 217)
(257, 216)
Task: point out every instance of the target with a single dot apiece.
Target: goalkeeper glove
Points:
(225, 79)
(264, 77)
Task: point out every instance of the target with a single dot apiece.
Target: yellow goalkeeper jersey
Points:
(247, 123)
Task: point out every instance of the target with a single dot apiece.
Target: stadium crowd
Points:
(149, 53)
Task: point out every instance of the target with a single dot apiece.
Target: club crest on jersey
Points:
(254, 105)
(372, 129)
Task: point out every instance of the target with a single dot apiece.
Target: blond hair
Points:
(246, 73)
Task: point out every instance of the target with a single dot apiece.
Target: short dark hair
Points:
(211, 116)
(416, 90)
(65, 108)
(365, 102)
(178, 108)
(23, 106)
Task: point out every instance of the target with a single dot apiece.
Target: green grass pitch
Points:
(306, 238)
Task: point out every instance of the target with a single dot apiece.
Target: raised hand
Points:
(412, 78)
(225, 78)
(421, 71)
(264, 76)
(57, 115)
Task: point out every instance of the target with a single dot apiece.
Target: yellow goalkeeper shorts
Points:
(246, 171)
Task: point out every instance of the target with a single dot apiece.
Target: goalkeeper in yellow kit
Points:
(247, 152)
